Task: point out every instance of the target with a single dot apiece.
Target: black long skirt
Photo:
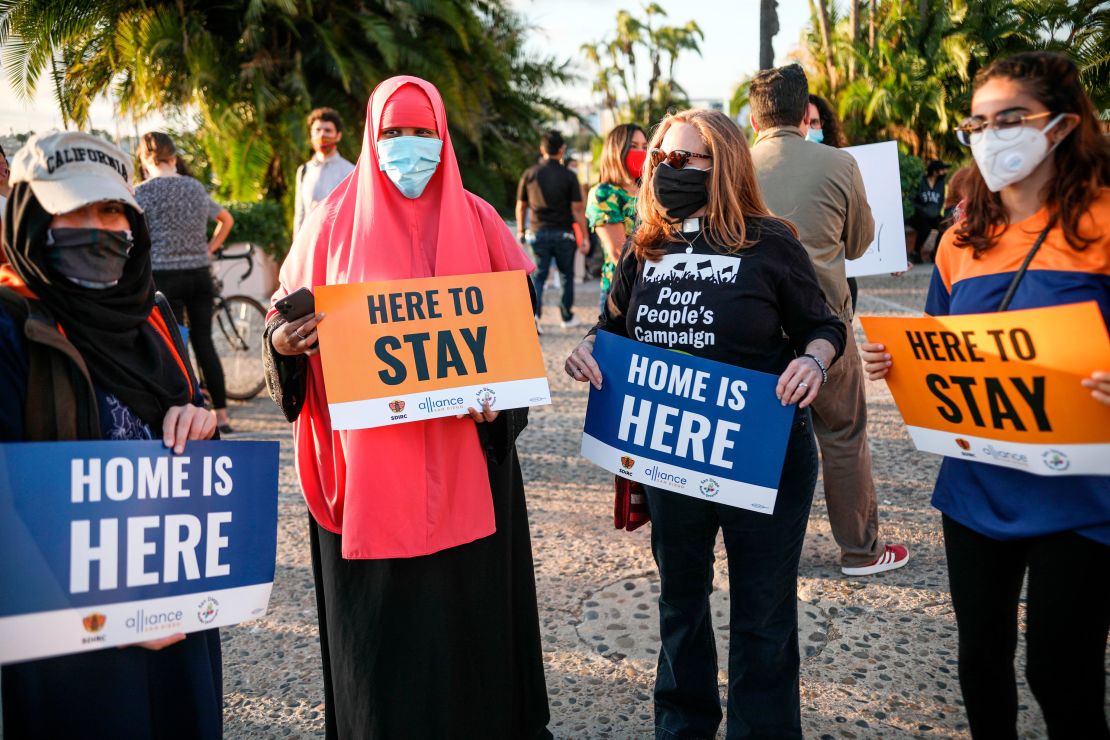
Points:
(175, 693)
(440, 646)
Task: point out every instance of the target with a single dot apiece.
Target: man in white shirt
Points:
(320, 175)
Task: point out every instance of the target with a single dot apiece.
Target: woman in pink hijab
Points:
(420, 545)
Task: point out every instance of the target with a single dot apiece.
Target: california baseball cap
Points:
(70, 169)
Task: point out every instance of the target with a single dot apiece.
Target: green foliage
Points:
(251, 70)
(908, 75)
(911, 169)
(615, 62)
(261, 223)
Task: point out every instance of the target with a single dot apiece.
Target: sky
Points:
(730, 51)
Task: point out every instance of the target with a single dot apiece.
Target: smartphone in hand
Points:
(296, 305)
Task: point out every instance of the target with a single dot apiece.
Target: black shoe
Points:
(225, 429)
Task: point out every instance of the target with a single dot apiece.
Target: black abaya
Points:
(439, 646)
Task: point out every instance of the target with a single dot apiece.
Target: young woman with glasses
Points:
(705, 234)
(1042, 177)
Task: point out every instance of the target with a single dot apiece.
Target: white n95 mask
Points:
(1010, 155)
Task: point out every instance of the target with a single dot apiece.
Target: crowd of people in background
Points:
(420, 544)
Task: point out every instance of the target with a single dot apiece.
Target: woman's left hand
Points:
(799, 383)
(485, 415)
(1099, 383)
(187, 422)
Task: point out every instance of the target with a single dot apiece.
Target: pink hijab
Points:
(416, 488)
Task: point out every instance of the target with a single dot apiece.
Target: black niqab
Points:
(125, 354)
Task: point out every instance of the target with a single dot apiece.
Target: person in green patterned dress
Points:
(611, 204)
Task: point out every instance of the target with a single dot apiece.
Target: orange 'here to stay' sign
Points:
(406, 350)
(1003, 388)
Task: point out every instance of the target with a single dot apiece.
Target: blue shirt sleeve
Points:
(937, 301)
(14, 367)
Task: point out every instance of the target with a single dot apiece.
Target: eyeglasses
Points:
(1008, 126)
(678, 159)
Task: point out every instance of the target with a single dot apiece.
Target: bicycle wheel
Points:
(240, 322)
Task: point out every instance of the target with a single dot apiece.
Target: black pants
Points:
(553, 244)
(1067, 615)
(923, 225)
(763, 552)
(191, 295)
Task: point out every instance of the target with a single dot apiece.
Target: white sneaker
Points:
(894, 556)
(572, 321)
(539, 329)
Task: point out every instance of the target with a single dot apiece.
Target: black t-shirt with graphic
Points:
(758, 308)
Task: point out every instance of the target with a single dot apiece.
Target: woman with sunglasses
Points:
(611, 204)
(705, 234)
(1041, 190)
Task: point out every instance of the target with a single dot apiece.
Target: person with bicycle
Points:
(178, 209)
(88, 352)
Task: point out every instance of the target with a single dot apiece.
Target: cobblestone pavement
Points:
(879, 653)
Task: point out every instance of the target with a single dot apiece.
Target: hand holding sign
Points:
(876, 360)
(581, 364)
(1099, 383)
(187, 422)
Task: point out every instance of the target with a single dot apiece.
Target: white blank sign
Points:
(878, 163)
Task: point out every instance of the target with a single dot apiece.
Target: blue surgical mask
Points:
(410, 162)
(815, 135)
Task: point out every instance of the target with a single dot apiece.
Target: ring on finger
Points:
(301, 336)
(803, 385)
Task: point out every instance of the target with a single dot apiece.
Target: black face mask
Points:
(91, 258)
(680, 193)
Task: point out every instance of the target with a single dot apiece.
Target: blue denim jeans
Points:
(549, 244)
(763, 553)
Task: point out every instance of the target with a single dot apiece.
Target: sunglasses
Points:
(677, 159)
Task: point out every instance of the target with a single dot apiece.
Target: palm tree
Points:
(250, 71)
(768, 29)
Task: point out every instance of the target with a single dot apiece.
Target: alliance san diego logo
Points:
(443, 405)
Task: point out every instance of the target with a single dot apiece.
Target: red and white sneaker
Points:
(894, 556)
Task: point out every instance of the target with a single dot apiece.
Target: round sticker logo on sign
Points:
(710, 488)
(1056, 460)
(208, 610)
(94, 622)
(487, 396)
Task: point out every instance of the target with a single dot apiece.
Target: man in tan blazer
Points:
(820, 190)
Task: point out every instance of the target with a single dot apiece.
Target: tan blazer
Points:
(819, 189)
